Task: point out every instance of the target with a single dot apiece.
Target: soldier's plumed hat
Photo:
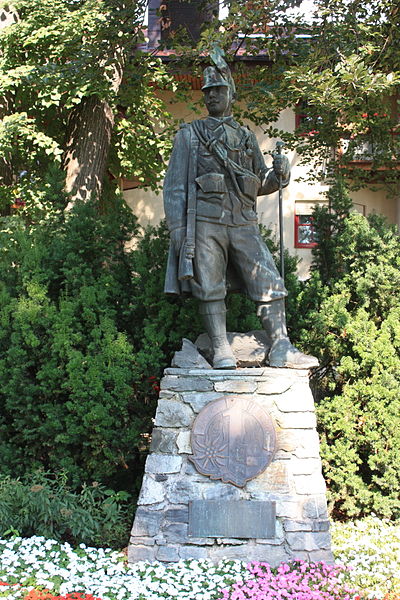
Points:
(220, 74)
(213, 77)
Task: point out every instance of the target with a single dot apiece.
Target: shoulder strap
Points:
(214, 146)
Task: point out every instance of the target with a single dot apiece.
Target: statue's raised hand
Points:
(281, 166)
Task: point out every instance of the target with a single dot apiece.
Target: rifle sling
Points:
(191, 195)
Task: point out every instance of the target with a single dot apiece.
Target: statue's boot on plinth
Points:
(214, 318)
(282, 353)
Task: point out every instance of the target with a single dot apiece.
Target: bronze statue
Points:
(215, 174)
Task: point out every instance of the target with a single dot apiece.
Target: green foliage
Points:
(20, 137)
(336, 65)
(68, 399)
(57, 54)
(348, 102)
(353, 326)
(46, 506)
(330, 222)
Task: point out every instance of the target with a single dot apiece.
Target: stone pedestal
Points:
(284, 505)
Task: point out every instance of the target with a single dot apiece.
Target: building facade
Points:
(299, 198)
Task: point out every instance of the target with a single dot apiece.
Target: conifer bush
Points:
(68, 397)
(351, 309)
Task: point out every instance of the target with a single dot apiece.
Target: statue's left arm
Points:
(269, 177)
(175, 182)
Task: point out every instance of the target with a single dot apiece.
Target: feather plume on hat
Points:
(217, 57)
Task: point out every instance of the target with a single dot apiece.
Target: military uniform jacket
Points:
(219, 198)
(230, 174)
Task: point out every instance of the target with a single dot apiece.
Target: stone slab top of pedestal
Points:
(250, 350)
(239, 372)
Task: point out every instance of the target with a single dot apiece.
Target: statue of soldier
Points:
(215, 174)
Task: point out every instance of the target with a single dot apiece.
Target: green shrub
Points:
(46, 506)
(69, 397)
(351, 320)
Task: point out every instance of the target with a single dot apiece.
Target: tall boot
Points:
(214, 318)
(282, 352)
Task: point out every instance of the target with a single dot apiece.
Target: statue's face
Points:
(218, 101)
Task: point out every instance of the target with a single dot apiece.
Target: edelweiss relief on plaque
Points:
(233, 439)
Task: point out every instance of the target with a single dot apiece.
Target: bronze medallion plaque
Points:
(233, 439)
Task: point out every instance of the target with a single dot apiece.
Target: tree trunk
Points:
(85, 160)
(6, 171)
(89, 138)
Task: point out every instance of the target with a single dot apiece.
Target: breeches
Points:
(241, 247)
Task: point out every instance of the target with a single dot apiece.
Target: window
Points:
(304, 232)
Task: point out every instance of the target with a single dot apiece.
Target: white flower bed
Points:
(39, 562)
(371, 549)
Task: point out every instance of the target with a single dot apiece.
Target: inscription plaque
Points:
(232, 518)
(233, 439)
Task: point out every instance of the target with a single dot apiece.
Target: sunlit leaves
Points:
(337, 64)
(19, 134)
(59, 53)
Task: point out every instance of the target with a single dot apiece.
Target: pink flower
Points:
(296, 580)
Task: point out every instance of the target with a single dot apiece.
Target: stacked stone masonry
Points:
(293, 480)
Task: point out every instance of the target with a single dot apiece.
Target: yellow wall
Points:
(148, 206)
